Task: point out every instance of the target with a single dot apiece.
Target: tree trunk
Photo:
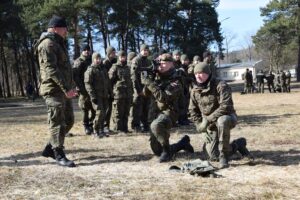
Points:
(76, 39)
(103, 30)
(20, 81)
(8, 93)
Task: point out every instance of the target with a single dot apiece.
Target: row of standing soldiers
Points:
(279, 82)
(112, 89)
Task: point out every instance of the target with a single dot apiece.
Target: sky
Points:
(239, 20)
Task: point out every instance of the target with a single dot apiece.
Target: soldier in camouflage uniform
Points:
(176, 57)
(140, 105)
(165, 89)
(119, 75)
(130, 57)
(79, 67)
(196, 60)
(56, 87)
(270, 81)
(283, 81)
(211, 107)
(184, 99)
(96, 83)
(288, 81)
(110, 59)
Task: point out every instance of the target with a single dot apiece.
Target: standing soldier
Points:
(56, 87)
(211, 108)
(185, 96)
(247, 82)
(288, 80)
(283, 81)
(140, 107)
(165, 89)
(80, 66)
(96, 82)
(176, 57)
(119, 75)
(196, 60)
(110, 59)
(130, 57)
(270, 81)
(208, 59)
(260, 76)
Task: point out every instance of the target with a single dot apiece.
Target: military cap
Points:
(121, 53)
(144, 46)
(184, 57)
(86, 47)
(166, 57)
(196, 58)
(202, 67)
(176, 52)
(109, 50)
(131, 55)
(96, 55)
(57, 21)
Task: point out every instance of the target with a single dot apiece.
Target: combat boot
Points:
(87, 129)
(61, 158)
(182, 144)
(99, 134)
(223, 162)
(240, 145)
(166, 155)
(48, 151)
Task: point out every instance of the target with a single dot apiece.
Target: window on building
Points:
(236, 74)
(224, 74)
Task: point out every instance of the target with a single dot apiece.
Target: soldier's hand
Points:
(71, 93)
(202, 127)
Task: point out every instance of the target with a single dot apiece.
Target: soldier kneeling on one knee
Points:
(211, 107)
(165, 89)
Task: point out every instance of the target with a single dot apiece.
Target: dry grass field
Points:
(123, 167)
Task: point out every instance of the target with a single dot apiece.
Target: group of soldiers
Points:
(159, 92)
(279, 82)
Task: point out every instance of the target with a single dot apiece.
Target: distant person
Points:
(260, 76)
(288, 77)
(247, 82)
(56, 87)
(283, 81)
(270, 81)
(30, 91)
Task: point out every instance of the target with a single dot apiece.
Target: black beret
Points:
(57, 21)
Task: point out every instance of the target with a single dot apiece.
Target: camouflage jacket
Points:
(79, 67)
(55, 66)
(96, 82)
(107, 63)
(211, 102)
(166, 90)
(137, 75)
(120, 79)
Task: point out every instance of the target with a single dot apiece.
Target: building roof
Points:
(240, 65)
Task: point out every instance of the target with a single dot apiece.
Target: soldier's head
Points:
(58, 25)
(207, 56)
(166, 63)
(111, 53)
(86, 50)
(96, 58)
(196, 59)
(130, 56)
(184, 59)
(144, 50)
(176, 55)
(202, 72)
(122, 56)
(247, 70)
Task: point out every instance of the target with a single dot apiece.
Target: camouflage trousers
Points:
(261, 87)
(139, 111)
(108, 113)
(101, 109)
(120, 113)
(218, 137)
(86, 107)
(160, 128)
(60, 118)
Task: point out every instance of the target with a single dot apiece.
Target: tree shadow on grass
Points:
(260, 120)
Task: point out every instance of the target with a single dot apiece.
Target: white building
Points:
(235, 71)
